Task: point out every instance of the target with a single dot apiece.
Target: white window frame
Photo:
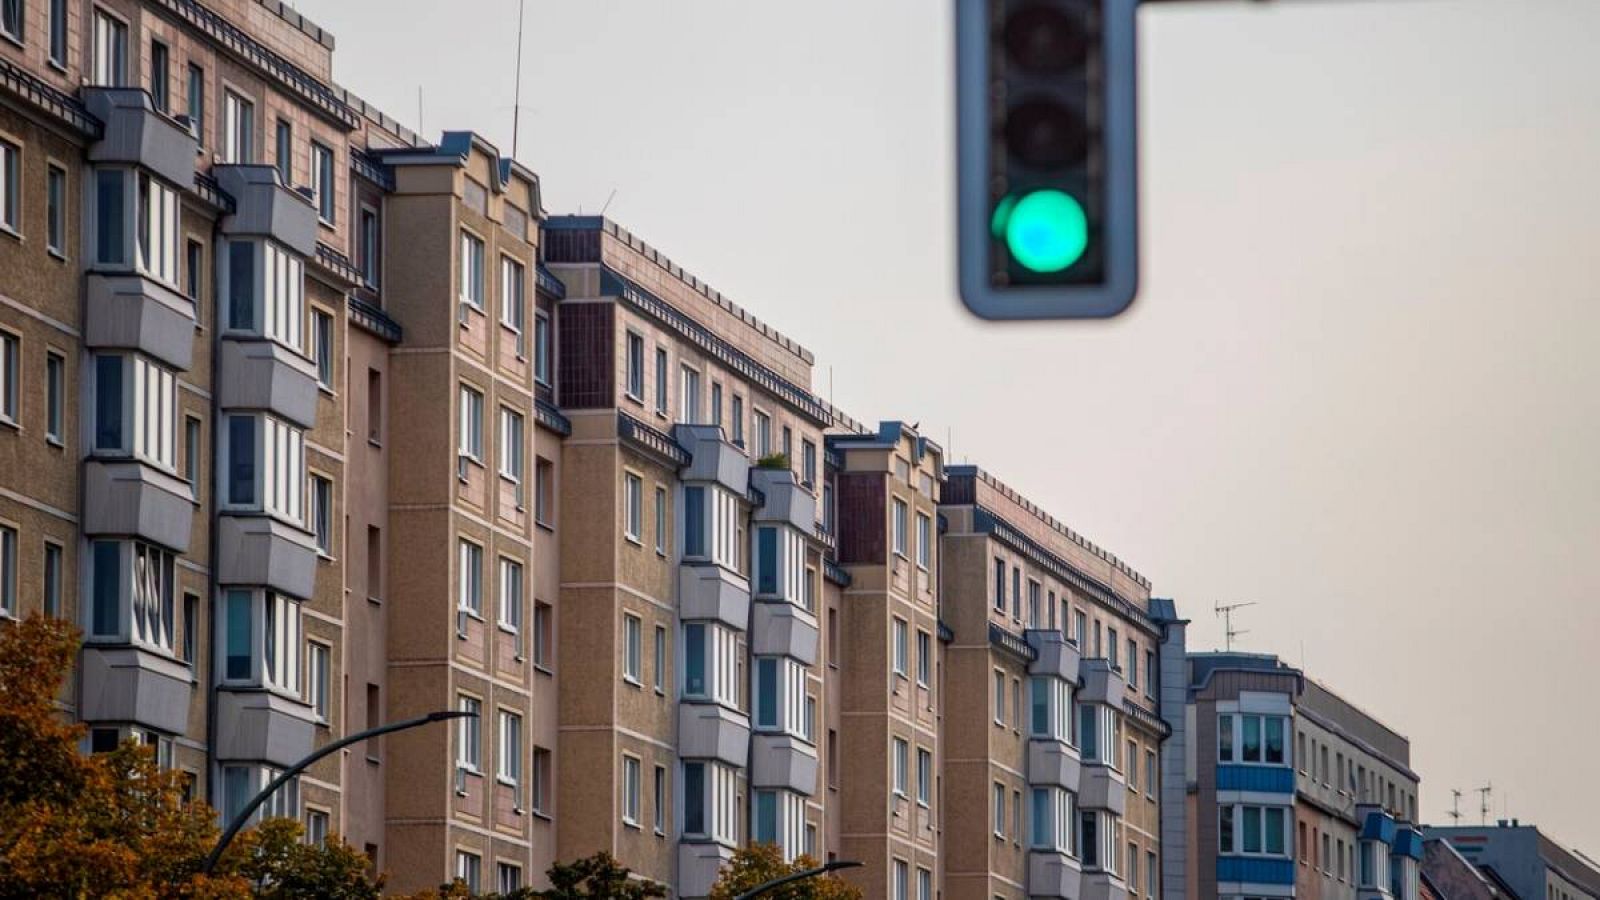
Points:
(632, 788)
(900, 646)
(632, 507)
(322, 348)
(320, 516)
(318, 670)
(470, 287)
(663, 368)
(10, 187)
(469, 735)
(900, 763)
(514, 299)
(324, 195)
(689, 400)
(238, 128)
(508, 762)
(10, 375)
(512, 582)
(633, 346)
(110, 50)
(541, 347)
(661, 520)
(924, 541)
(632, 649)
(146, 409)
(513, 453)
(469, 578)
(469, 442)
(899, 528)
(8, 572)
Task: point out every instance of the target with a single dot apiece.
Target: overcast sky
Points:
(1359, 386)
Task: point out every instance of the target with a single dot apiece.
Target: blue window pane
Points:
(1252, 829)
(238, 637)
(108, 403)
(767, 693)
(241, 285)
(766, 817)
(107, 580)
(767, 560)
(694, 526)
(110, 216)
(242, 460)
(694, 660)
(694, 798)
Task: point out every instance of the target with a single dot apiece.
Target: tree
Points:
(116, 825)
(761, 863)
(597, 877)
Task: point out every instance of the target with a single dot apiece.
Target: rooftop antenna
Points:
(1483, 803)
(609, 197)
(421, 129)
(1455, 807)
(516, 102)
(1226, 611)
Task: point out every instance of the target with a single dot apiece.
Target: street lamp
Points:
(244, 814)
(760, 889)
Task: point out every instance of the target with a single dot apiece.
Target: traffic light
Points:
(1047, 197)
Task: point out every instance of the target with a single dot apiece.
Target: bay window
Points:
(780, 559)
(1252, 830)
(135, 409)
(135, 204)
(265, 459)
(711, 525)
(780, 696)
(712, 660)
(1055, 816)
(1051, 709)
(1100, 734)
(132, 594)
(262, 640)
(1099, 840)
(1253, 739)
(780, 819)
(710, 802)
(240, 783)
(266, 291)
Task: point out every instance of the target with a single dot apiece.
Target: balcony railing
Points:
(58, 103)
(650, 440)
(374, 319)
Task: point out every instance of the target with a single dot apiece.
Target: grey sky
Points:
(1359, 385)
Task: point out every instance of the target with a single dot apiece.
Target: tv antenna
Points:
(1484, 793)
(516, 89)
(1455, 807)
(1226, 611)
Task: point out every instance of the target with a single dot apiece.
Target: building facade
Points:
(1518, 856)
(1292, 791)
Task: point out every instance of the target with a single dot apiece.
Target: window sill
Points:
(542, 815)
(504, 628)
(326, 390)
(633, 539)
(508, 782)
(374, 761)
(375, 442)
(634, 825)
(375, 601)
(545, 526)
(55, 442)
(56, 254)
(12, 233)
(627, 679)
(544, 670)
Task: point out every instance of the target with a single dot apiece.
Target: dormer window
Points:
(136, 223)
(266, 291)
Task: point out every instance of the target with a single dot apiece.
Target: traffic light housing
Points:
(1047, 157)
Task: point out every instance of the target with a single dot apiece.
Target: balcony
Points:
(138, 135)
(265, 207)
(712, 593)
(1053, 874)
(786, 501)
(1099, 787)
(712, 731)
(261, 551)
(131, 312)
(131, 684)
(127, 497)
(699, 863)
(1103, 886)
(1102, 684)
(779, 628)
(712, 458)
(1053, 763)
(783, 761)
(1053, 654)
(261, 374)
(256, 725)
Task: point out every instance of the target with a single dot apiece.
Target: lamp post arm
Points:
(243, 816)
(760, 889)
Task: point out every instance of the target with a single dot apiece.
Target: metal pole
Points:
(760, 889)
(243, 815)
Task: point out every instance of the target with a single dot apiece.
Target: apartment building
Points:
(1053, 729)
(1292, 790)
(1520, 858)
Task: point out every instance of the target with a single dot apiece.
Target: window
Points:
(763, 429)
(1133, 664)
(322, 514)
(1132, 766)
(924, 541)
(322, 346)
(470, 577)
(901, 647)
(902, 881)
(924, 884)
(924, 657)
(808, 462)
(265, 461)
(238, 129)
(55, 368)
(924, 777)
(374, 406)
(513, 300)
(999, 813)
(999, 697)
(900, 764)
(511, 449)
(467, 865)
(472, 270)
(8, 571)
(899, 527)
(1254, 739)
(470, 443)
(135, 403)
(710, 802)
(110, 51)
(661, 381)
(262, 639)
(635, 366)
(160, 77)
(1257, 831)
(716, 403)
(266, 291)
(630, 790)
(10, 187)
(543, 616)
(632, 506)
(322, 181)
(1050, 708)
(1053, 816)
(689, 396)
(194, 265)
(511, 597)
(661, 520)
(197, 103)
(58, 32)
(543, 491)
(367, 241)
(780, 696)
(468, 734)
(52, 579)
(1116, 654)
(509, 765)
(55, 210)
(508, 877)
(1150, 772)
(1149, 673)
(281, 631)
(542, 780)
(737, 415)
(632, 649)
(317, 656)
(1016, 592)
(712, 663)
(661, 659)
(284, 156)
(541, 347)
(316, 827)
(11, 15)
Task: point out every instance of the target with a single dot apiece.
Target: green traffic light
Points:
(1046, 231)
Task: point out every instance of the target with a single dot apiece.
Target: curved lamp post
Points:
(760, 889)
(243, 815)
